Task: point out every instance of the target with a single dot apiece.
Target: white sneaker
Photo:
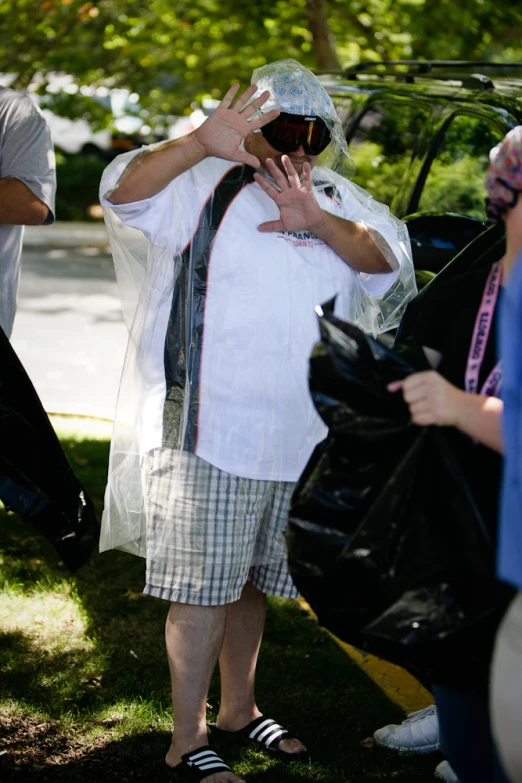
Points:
(444, 772)
(419, 733)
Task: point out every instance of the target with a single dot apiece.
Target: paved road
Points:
(69, 333)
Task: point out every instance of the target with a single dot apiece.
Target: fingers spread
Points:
(245, 96)
(256, 104)
(293, 177)
(264, 119)
(307, 176)
(227, 100)
(266, 185)
(277, 174)
(242, 100)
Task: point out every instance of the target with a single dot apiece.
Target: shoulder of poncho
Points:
(327, 181)
(204, 168)
(216, 164)
(207, 174)
(323, 175)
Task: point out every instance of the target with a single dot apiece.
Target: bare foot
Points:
(236, 721)
(291, 746)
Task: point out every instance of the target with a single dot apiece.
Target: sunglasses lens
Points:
(290, 131)
(318, 137)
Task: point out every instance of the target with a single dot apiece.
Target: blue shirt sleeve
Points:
(510, 527)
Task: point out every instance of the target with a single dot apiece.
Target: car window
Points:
(384, 143)
(455, 181)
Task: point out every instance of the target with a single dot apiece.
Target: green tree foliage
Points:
(169, 52)
(455, 181)
(426, 29)
(456, 186)
(375, 173)
(172, 51)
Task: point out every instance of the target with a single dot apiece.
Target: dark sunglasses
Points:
(288, 131)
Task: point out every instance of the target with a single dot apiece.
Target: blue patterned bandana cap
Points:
(293, 89)
(296, 90)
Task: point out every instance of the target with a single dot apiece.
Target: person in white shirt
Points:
(224, 242)
(27, 188)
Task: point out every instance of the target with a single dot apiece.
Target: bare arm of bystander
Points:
(432, 400)
(19, 205)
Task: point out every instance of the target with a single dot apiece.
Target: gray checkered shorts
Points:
(209, 533)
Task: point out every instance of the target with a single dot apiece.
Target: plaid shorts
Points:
(209, 533)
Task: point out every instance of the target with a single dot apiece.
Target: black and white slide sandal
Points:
(197, 765)
(266, 733)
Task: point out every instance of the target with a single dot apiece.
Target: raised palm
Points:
(222, 133)
(294, 196)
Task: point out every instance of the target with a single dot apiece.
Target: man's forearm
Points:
(152, 170)
(352, 243)
(19, 206)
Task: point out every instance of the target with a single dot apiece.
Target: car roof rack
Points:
(446, 70)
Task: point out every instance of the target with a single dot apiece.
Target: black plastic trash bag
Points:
(36, 479)
(385, 541)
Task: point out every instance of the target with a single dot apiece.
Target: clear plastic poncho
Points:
(221, 321)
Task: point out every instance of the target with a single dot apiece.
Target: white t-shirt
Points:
(255, 415)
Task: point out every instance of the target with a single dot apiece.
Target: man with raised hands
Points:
(246, 235)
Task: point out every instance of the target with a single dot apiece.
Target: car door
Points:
(387, 140)
(426, 157)
(447, 206)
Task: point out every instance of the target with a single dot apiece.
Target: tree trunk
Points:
(323, 38)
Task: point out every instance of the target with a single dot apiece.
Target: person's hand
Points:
(222, 133)
(431, 399)
(297, 204)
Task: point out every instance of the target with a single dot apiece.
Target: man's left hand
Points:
(297, 204)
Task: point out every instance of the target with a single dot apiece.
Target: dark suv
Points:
(420, 133)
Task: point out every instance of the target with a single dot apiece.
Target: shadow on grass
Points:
(61, 759)
(95, 703)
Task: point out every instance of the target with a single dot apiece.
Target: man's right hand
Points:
(221, 134)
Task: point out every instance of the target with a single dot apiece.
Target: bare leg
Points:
(245, 622)
(194, 635)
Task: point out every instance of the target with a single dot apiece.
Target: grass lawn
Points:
(84, 686)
